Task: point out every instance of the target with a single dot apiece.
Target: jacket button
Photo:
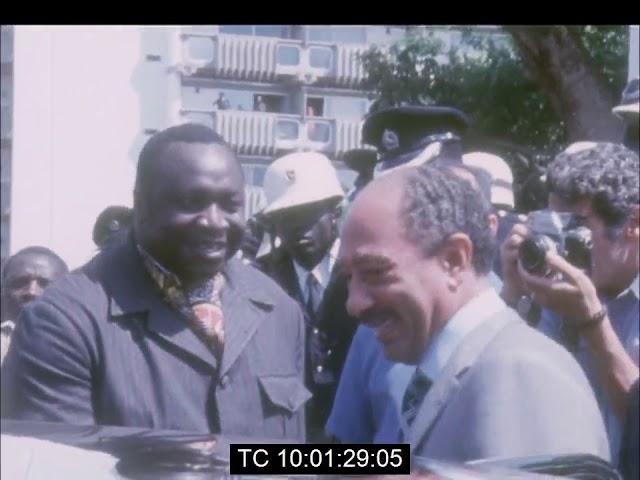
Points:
(316, 331)
(224, 381)
(319, 369)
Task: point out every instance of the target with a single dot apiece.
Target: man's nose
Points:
(358, 299)
(32, 289)
(214, 217)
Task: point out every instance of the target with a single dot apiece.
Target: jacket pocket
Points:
(283, 400)
(287, 392)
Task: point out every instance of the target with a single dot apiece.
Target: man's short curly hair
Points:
(438, 203)
(605, 173)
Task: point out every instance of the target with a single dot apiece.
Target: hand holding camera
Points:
(571, 294)
(550, 259)
(513, 287)
(554, 232)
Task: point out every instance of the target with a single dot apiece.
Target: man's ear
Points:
(632, 228)
(456, 254)
(493, 224)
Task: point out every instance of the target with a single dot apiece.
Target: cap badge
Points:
(390, 140)
(291, 175)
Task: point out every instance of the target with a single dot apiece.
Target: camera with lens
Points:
(556, 232)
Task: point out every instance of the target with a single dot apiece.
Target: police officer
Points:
(110, 225)
(362, 161)
(412, 135)
(303, 207)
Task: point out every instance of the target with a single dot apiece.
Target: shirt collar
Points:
(172, 288)
(480, 309)
(163, 277)
(7, 327)
(322, 271)
(635, 287)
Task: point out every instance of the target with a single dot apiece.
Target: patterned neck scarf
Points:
(200, 306)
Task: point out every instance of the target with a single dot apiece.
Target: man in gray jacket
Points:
(485, 385)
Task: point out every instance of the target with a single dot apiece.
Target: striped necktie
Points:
(414, 395)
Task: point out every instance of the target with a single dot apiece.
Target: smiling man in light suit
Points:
(485, 384)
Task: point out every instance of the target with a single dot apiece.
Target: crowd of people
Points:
(407, 310)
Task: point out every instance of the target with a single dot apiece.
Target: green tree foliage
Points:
(483, 75)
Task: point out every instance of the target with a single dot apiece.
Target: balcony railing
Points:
(265, 59)
(268, 134)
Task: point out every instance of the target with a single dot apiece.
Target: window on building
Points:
(337, 34)
(276, 31)
(321, 57)
(239, 99)
(349, 34)
(237, 29)
(287, 130)
(269, 103)
(205, 98)
(315, 107)
(319, 34)
(318, 131)
(288, 55)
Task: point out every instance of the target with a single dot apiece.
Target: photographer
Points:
(594, 314)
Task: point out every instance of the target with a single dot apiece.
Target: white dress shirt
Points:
(321, 272)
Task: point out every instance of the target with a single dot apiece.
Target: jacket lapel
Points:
(169, 325)
(448, 381)
(290, 281)
(244, 306)
(131, 290)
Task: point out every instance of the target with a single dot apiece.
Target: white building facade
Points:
(79, 103)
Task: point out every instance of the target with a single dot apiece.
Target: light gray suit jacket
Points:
(508, 391)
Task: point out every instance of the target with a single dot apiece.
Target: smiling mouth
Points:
(211, 248)
(381, 325)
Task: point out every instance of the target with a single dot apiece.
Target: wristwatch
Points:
(595, 320)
